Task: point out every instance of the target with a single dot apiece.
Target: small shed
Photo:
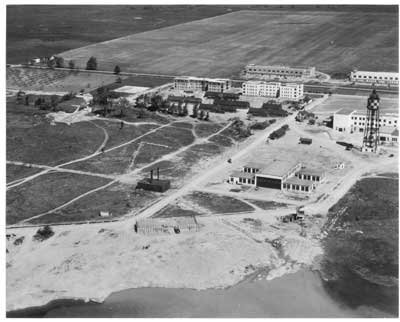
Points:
(152, 184)
(305, 141)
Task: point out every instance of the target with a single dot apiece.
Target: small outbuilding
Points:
(151, 184)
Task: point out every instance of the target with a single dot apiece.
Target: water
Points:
(294, 295)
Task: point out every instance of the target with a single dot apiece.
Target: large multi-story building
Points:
(278, 71)
(384, 78)
(290, 91)
(202, 84)
(355, 121)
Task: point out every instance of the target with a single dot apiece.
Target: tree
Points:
(195, 109)
(51, 63)
(53, 101)
(202, 115)
(71, 64)
(59, 61)
(207, 117)
(91, 63)
(185, 110)
(43, 233)
(117, 70)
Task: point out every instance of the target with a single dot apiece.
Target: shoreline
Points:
(60, 307)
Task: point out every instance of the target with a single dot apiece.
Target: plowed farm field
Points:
(223, 45)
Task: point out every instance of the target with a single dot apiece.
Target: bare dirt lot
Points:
(223, 45)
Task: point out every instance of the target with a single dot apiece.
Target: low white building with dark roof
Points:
(388, 135)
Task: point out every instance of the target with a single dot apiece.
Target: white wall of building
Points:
(375, 77)
(290, 91)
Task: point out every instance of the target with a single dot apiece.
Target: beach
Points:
(280, 297)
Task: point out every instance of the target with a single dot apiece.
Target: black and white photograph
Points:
(190, 160)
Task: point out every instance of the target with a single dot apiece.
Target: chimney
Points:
(151, 175)
(158, 173)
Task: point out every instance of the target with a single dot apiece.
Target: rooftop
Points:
(345, 111)
(278, 168)
(295, 180)
(310, 171)
(240, 174)
(389, 130)
(254, 165)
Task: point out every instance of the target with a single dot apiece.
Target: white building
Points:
(354, 121)
(384, 78)
(278, 71)
(290, 91)
(202, 84)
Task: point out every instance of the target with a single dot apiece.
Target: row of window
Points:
(380, 120)
(376, 77)
(297, 187)
(275, 71)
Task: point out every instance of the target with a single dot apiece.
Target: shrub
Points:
(43, 233)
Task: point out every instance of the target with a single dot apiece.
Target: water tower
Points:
(371, 130)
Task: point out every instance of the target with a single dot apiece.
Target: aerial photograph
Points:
(201, 161)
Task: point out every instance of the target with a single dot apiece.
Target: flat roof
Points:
(240, 174)
(389, 130)
(310, 171)
(254, 165)
(295, 180)
(277, 168)
(345, 111)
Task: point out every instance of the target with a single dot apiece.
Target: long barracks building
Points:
(278, 71)
(384, 78)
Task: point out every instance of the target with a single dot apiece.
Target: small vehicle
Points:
(391, 155)
(229, 160)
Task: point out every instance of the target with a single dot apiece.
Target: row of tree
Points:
(91, 64)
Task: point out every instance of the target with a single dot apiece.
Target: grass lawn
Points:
(267, 205)
(15, 172)
(206, 129)
(128, 132)
(221, 140)
(31, 138)
(184, 125)
(45, 193)
(367, 261)
(175, 211)
(333, 41)
(118, 199)
(165, 140)
(218, 204)
(114, 162)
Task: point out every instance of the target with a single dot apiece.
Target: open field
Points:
(46, 193)
(45, 30)
(37, 79)
(44, 143)
(223, 45)
(337, 102)
(15, 172)
(362, 246)
(117, 199)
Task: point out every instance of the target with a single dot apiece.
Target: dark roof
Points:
(374, 95)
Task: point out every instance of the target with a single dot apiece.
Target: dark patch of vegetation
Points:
(279, 132)
(237, 130)
(175, 211)
(218, 203)
(361, 251)
(43, 233)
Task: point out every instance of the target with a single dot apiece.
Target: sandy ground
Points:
(82, 261)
